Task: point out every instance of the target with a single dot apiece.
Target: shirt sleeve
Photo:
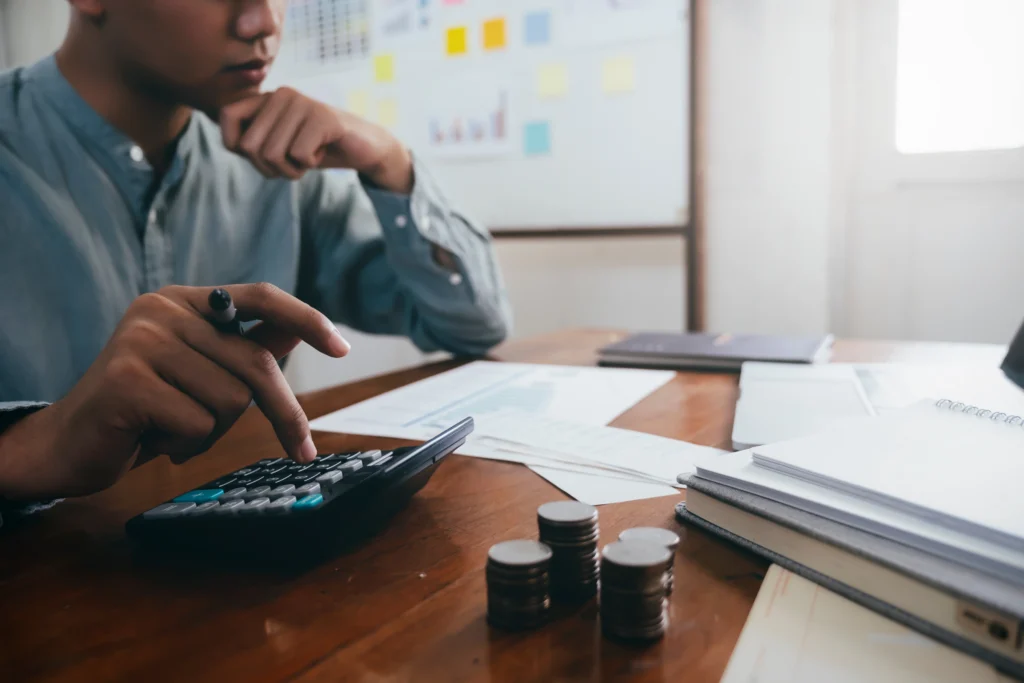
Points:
(11, 412)
(369, 262)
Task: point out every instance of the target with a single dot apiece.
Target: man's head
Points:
(200, 53)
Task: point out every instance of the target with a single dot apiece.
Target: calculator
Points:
(280, 506)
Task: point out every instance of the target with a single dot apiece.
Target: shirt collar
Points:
(124, 160)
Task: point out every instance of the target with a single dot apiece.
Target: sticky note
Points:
(537, 138)
(618, 75)
(494, 34)
(537, 28)
(387, 113)
(552, 80)
(358, 102)
(456, 40)
(384, 68)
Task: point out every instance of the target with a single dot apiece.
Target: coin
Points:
(660, 536)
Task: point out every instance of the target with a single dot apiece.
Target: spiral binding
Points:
(1012, 420)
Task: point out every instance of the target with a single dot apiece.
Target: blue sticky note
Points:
(537, 28)
(537, 138)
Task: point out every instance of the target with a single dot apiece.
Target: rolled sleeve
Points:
(460, 306)
(11, 412)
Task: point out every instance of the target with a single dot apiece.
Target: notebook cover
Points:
(949, 577)
(714, 350)
(1001, 663)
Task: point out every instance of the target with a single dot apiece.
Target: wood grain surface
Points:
(77, 604)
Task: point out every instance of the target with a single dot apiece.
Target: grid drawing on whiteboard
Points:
(328, 32)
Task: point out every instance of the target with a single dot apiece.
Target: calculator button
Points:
(205, 509)
(379, 461)
(230, 507)
(258, 492)
(304, 478)
(331, 477)
(283, 490)
(199, 496)
(250, 481)
(350, 466)
(307, 490)
(245, 471)
(223, 482)
(233, 494)
(276, 480)
(368, 456)
(308, 502)
(280, 505)
(169, 510)
(255, 506)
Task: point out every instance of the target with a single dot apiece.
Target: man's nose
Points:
(258, 19)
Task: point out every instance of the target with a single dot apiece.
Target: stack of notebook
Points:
(917, 514)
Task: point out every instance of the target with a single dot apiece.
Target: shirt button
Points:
(425, 223)
(137, 155)
(455, 279)
(401, 221)
(153, 217)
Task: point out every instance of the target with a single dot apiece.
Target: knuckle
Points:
(265, 292)
(263, 362)
(286, 91)
(238, 399)
(200, 427)
(126, 371)
(250, 145)
(146, 334)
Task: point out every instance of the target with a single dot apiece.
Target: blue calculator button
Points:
(308, 502)
(200, 496)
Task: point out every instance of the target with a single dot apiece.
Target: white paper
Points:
(419, 411)
(657, 457)
(602, 490)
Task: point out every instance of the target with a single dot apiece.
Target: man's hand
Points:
(284, 134)
(168, 381)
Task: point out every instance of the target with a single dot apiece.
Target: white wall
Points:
(768, 177)
(34, 28)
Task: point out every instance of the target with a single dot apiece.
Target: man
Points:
(123, 206)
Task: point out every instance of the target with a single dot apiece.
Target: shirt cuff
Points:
(11, 412)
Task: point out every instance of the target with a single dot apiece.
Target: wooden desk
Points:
(76, 604)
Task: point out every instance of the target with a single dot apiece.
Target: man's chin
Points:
(212, 103)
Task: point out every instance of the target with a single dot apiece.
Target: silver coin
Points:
(636, 554)
(566, 512)
(521, 553)
(652, 534)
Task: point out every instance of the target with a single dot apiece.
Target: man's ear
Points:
(93, 9)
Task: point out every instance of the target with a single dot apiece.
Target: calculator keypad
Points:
(273, 486)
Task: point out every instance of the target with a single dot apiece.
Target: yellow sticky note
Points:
(457, 40)
(552, 80)
(358, 102)
(494, 34)
(387, 113)
(384, 68)
(618, 75)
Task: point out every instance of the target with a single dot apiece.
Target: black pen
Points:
(224, 312)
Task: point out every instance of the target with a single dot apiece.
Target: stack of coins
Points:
(658, 536)
(518, 584)
(570, 529)
(633, 603)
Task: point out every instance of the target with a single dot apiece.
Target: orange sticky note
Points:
(384, 68)
(457, 42)
(494, 34)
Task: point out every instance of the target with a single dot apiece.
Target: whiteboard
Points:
(531, 114)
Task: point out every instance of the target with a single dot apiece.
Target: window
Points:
(959, 75)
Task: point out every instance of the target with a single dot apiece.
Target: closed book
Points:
(713, 351)
(970, 610)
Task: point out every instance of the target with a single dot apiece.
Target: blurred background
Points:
(779, 166)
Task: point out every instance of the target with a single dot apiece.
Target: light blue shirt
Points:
(86, 226)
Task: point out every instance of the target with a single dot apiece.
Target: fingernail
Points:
(307, 451)
(339, 345)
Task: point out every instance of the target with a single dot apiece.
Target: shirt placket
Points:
(158, 254)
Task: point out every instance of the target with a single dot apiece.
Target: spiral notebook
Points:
(955, 465)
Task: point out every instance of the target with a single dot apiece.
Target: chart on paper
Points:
(588, 395)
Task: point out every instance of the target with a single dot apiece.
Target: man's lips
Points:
(253, 71)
